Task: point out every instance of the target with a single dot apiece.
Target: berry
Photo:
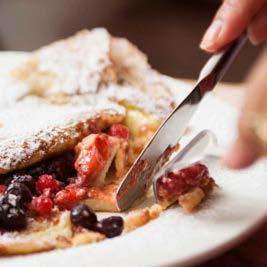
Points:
(2, 188)
(111, 226)
(47, 183)
(19, 193)
(24, 179)
(42, 205)
(82, 215)
(37, 170)
(181, 181)
(61, 167)
(11, 218)
(120, 131)
(194, 174)
(68, 197)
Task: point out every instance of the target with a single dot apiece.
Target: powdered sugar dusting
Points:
(138, 98)
(78, 64)
(32, 123)
(11, 91)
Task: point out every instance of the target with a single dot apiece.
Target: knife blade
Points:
(138, 178)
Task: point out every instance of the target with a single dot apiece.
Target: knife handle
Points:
(218, 64)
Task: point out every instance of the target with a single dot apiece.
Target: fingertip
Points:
(208, 42)
(253, 38)
(257, 29)
(241, 155)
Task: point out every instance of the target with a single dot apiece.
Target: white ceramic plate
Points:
(236, 209)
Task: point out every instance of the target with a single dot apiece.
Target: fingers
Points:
(241, 155)
(257, 30)
(252, 140)
(232, 18)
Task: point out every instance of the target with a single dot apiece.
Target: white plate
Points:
(236, 209)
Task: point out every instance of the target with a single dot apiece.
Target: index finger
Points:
(232, 18)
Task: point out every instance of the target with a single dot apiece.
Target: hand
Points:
(232, 18)
(252, 139)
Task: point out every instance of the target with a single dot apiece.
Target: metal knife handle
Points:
(217, 65)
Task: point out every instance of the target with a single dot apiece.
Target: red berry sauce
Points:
(68, 197)
(120, 131)
(93, 152)
(181, 181)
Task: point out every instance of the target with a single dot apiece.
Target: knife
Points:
(139, 177)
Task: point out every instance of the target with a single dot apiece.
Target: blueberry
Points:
(111, 226)
(19, 191)
(11, 217)
(36, 170)
(24, 179)
(82, 215)
(61, 167)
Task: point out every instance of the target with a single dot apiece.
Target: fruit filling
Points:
(94, 157)
(65, 181)
(62, 182)
(188, 186)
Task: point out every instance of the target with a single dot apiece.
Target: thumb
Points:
(252, 139)
(241, 155)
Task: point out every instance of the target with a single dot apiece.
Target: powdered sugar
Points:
(28, 123)
(11, 91)
(138, 98)
(78, 64)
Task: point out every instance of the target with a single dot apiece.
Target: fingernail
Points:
(211, 35)
(253, 39)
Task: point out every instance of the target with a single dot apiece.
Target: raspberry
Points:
(42, 205)
(68, 197)
(2, 188)
(47, 183)
(119, 130)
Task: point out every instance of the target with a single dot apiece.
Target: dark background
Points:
(168, 31)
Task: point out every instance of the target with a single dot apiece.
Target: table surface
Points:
(252, 252)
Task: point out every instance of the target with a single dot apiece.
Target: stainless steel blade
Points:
(139, 177)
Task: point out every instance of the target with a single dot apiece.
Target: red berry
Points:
(47, 183)
(181, 181)
(2, 188)
(42, 205)
(120, 131)
(68, 197)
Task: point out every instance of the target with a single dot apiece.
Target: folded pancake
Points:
(62, 91)
(66, 96)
